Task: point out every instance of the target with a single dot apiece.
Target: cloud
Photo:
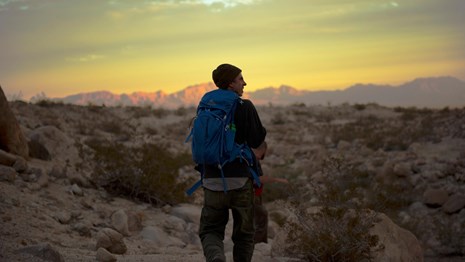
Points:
(157, 5)
(6, 4)
(227, 3)
(86, 58)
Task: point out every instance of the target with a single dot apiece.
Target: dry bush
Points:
(148, 173)
(160, 112)
(332, 234)
(139, 112)
(339, 230)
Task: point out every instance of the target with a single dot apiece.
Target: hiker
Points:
(232, 186)
(260, 212)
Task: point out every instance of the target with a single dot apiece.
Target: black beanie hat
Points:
(224, 74)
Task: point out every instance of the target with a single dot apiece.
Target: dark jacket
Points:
(249, 130)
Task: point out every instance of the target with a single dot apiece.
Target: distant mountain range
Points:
(434, 92)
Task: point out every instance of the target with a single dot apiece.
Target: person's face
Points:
(237, 85)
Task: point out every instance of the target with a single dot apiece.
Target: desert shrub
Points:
(349, 185)
(139, 112)
(151, 130)
(360, 107)
(112, 126)
(332, 234)
(339, 230)
(148, 173)
(278, 119)
(160, 112)
(325, 117)
(95, 108)
(43, 101)
(182, 111)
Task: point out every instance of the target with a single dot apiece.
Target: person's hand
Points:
(260, 151)
(281, 180)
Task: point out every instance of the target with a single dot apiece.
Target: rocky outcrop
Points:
(12, 139)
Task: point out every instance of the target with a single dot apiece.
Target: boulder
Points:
(111, 240)
(454, 204)
(12, 139)
(435, 197)
(119, 221)
(398, 244)
(187, 212)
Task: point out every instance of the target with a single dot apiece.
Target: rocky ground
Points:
(50, 207)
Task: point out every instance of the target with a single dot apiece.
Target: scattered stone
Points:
(454, 204)
(160, 237)
(76, 190)
(111, 240)
(119, 221)
(83, 229)
(134, 221)
(57, 172)
(7, 173)
(187, 212)
(42, 181)
(76, 178)
(63, 217)
(402, 169)
(435, 197)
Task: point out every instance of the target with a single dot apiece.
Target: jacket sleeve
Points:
(249, 126)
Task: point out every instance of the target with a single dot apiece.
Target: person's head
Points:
(229, 77)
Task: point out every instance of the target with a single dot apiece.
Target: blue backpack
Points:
(213, 135)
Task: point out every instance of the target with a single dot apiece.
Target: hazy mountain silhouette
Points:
(422, 92)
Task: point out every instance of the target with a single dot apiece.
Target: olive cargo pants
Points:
(215, 215)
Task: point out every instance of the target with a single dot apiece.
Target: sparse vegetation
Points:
(148, 173)
(339, 229)
(338, 158)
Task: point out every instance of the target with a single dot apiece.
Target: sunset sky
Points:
(64, 47)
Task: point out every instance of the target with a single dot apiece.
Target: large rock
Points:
(111, 240)
(12, 138)
(189, 213)
(119, 221)
(54, 144)
(454, 204)
(435, 197)
(399, 244)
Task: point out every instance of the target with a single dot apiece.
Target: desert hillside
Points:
(113, 177)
